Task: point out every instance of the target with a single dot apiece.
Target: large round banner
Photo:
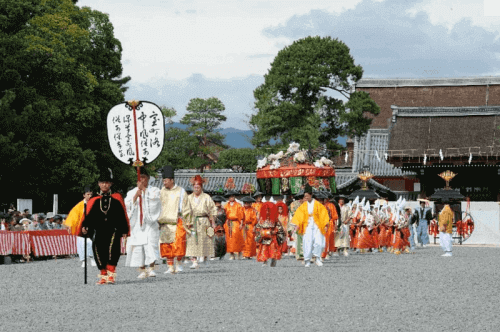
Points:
(136, 131)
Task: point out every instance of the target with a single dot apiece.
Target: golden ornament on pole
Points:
(133, 103)
(365, 176)
(447, 176)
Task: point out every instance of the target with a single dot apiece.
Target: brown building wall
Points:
(430, 96)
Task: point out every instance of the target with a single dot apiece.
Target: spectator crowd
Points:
(16, 221)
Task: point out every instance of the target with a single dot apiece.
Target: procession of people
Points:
(170, 224)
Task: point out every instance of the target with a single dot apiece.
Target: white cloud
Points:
(216, 38)
(482, 13)
(491, 8)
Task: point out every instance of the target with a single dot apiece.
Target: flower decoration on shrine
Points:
(261, 163)
(299, 157)
(230, 184)
(276, 164)
(275, 157)
(311, 180)
(293, 147)
(248, 188)
(326, 161)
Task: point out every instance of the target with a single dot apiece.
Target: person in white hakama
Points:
(312, 220)
(314, 241)
(143, 243)
(72, 221)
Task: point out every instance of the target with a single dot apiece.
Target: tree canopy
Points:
(243, 160)
(60, 73)
(301, 101)
(203, 118)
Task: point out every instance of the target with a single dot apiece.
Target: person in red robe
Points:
(270, 234)
(235, 216)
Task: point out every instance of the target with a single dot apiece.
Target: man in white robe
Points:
(143, 243)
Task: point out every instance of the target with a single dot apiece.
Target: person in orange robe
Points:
(376, 229)
(250, 247)
(402, 233)
(176, 215)
(332, 225)
(354, 229)
(235, 216)
(384, 228)
(256, 206)
(365, 240)
(392, 234)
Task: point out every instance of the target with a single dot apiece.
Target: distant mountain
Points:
(237, 138)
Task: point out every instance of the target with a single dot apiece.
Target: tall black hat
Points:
(167, 172)
(344, 197)
(308, 189)
(231, 193)
(106, 174)
(218, 198)
(319, 195)
(247, 199)
(300, 194)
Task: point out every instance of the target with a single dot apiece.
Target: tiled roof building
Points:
(459, 116)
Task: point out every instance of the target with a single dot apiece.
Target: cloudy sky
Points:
(178, 50)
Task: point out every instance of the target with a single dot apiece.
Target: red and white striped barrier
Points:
(123, 246)
(6, 243)
(42, 243)
(22, 245)
(52, 243)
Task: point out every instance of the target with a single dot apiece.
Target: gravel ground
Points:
(364, 292)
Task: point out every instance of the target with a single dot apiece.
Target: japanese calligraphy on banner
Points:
(148, 127)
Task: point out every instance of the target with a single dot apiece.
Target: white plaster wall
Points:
(486, 216)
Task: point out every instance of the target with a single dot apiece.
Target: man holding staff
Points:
(107, 222)
(143, 245)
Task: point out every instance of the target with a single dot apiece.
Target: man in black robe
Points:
(106, 222)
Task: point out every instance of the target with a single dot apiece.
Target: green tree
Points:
(243, 160)
(203, 119)
(60, 73)
(297, 100)
(179, 150)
